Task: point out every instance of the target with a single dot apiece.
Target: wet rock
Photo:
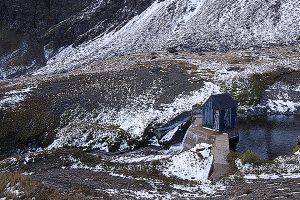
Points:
(234, 68)
(172, 49)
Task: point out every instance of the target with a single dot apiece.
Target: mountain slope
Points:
(192, 25)
(32, 31)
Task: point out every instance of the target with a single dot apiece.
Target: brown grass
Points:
(29, 188)
(32, 122)
(240, 60)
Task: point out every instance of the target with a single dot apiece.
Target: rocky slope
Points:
(66, 34)
(118, 103)
(109, 84)
(31, 32)
(194, 25)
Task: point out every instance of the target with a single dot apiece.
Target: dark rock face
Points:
(23, 25)
(33, 31)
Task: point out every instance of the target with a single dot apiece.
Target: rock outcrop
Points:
(33, 31)
(192, 25)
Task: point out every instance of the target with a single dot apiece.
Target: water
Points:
(269, 137)
(183, 118)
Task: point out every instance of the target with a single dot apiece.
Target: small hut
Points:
(220, 112)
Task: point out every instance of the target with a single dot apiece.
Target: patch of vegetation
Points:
(197, 106)
(241, 60)
(231, 158)
(72, 113)
(83, 156)
(172, 49)
(113, 136)
(248, 191)
(77, 118)
(24, 59)
(150, 170)
(32, 124)
(249, 91)
(154, 55)
(28, 188)
(295, 149)
(250, 157)
(121, 136)
(155, 163)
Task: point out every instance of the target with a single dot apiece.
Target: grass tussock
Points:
(14, 185)
(295, 149)
(249, 157)
(240, 60)
(231, 158)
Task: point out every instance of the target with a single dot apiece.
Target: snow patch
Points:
(283, 98)
(272, 176)
(144, 194)
(109, 191)
(13, 190)
(141, 159)
(282, 106)
(12, 98)
(194, 164)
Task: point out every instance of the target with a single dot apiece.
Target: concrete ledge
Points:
(196, 134)
(220, 151)
(219, 171)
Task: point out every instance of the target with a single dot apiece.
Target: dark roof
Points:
(223, 101)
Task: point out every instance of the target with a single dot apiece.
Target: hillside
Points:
(96, 97)
(93, 30)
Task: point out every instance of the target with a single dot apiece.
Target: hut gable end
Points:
(223, 101)
(220, 112)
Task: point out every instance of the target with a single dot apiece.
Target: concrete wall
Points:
(220, 146)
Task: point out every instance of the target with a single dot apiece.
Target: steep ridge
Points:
(200, 25)
(33, 31)
(22, 29)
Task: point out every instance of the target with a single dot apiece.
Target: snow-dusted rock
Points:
(191, 24)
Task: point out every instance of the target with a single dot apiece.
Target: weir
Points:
(220, 145)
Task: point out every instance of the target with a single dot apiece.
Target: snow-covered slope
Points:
(193, 25)
(33, 31)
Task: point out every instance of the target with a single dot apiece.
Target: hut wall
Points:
(233, 117)
(208, 115)
(228, 119)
